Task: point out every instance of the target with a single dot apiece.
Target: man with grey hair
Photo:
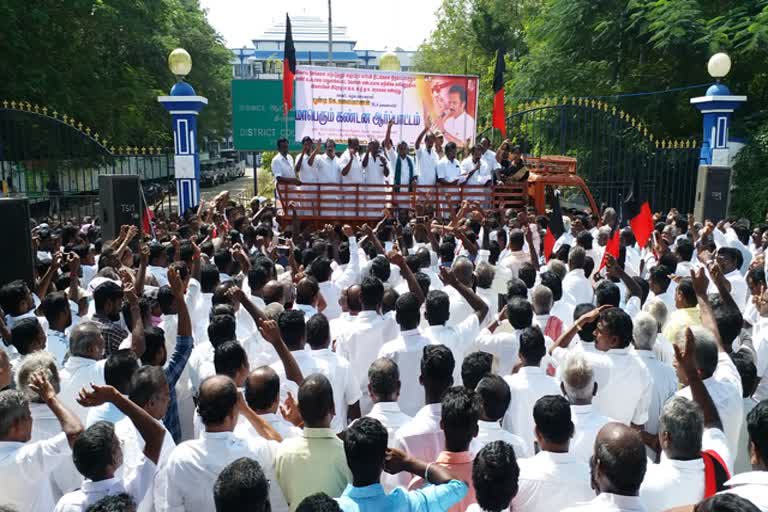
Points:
(577, 289)
(26, 466)
(542, 302)
(645, 329)
(485, 275)
(45, 424)
(662, 348)
(85, 365)
(579, 387)
(558, 267)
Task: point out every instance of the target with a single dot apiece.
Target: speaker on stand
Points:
(119, 203)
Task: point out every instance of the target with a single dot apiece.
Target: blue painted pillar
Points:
(716, 107)
(184, 106)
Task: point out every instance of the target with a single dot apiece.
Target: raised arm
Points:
(270, 332)
(531, 247)
(565, 339)
(253, 310)
(475, 302)
(633, 289)
(74, 277)
(137, 330)
(45, 282)
(687, 362)
(141, 274)
(700, 284)
(151, 430)
(398, 259)
(70, 423)
(387, 142)
(427, 126)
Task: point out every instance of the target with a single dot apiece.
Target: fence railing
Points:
(362, 203)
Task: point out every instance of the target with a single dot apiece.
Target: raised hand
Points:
(97, 395)
(39, 383)
(700, 281)
(144, 256)
(591, 316)
(347, 230)
(269, 331)
(447, 277)
(396, 258)
(174, 281)
(290, 410)
(686, 358)
(395, 461)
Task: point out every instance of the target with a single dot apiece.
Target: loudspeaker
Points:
(713, 187)
(16, 242)
(119, 203)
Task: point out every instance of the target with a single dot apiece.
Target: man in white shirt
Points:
(438, 310)
(347, 271)
(283, 168)
(295, 332)
(25, 466)
(505, 345)
(516, 256)
(579, 386)
(158, 263)
(320, 269)
(617, 472)
(377, 172)
(384, 389)
(360, 344)
(351, 174)
(495, 398)
(59, 315)
(194, 465)
(660, 288)
(475, 172)
(663, 377)
(489, 155)
(426, 157)
(448, 171)
(306, 171)
(406, 350)
(423, 437)
(456, 123)
(577, 288)
(84, 367)
(89, 449)
(262, 394)
(728, 260)
(328, 173)
(553, 478)
(528, 385)
(753, 485)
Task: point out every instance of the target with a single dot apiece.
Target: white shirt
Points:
(346, 390)
(739, 288)
(564, 311)
(489, 157)
(760, 343)
(663, 386)
(742, 462)
(283, 166)
(328, 170)
(24, 466)
(391, 418)
(624, 386)
(133, 445)
(79, 372)
(360, 345)
(194, 466)
(331, 294)
(286, 429)
(752, 486)
(45, 425)
(724, 387)
(526, 386)
(160, 273)
(587, 423)
(374, 170)
(479, 177)
(490, 431)
(512, 262)
(422, 437)
(551, 481)
(458, 339)
(405, 169)
(576, 288)
(448, 170)
(668, 298)
(606, 502)
(348, 274)
(307, 173)
(426, 163)
(136, 485)
(355, 174)
(200, 365)
(504, 347)
(461, 126)
(406, 351)
(58, 345)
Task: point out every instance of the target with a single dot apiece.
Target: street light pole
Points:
(330, 36)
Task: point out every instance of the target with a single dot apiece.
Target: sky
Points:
(403, 23)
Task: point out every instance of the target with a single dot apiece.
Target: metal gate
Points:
(55, 161)
(611, 147)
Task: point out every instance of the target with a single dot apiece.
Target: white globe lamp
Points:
(180, 63)
(719, 65)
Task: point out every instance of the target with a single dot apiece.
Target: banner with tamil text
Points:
(340, 103)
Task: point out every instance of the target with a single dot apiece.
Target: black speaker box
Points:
(713, 187)
(119, 203)
(16, 242)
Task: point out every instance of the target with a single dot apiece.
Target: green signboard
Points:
(257, 116)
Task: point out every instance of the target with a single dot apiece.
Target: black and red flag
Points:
(499, 120)
(613, 247)
(638, 211)
(289, 67)
(556, 228)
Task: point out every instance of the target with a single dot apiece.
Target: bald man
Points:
(618, 468)
(463, 271)
(262, 394)
(194, 465)
(273, 292)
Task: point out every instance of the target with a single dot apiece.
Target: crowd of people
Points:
(226, 363)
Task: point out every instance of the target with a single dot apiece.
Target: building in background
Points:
(310, 36)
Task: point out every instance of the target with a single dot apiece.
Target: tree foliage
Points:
(105, 62)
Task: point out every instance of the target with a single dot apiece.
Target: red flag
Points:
(499, 120)
(555, 228)
(146, 220)
(289, 67)
(612, 248)
(638, 211)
